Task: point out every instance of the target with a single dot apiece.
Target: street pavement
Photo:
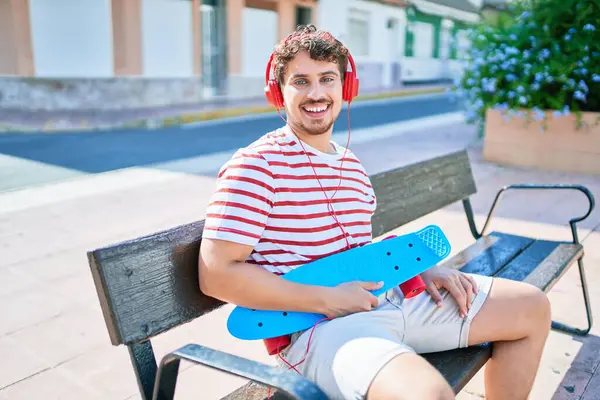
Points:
(53, 340)
(34, 159)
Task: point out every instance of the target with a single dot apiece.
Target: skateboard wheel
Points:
(413, 287)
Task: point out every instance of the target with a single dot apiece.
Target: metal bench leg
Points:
(567, 328)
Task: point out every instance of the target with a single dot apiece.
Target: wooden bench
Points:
(149, 285)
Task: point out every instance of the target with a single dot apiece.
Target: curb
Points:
(56, 126)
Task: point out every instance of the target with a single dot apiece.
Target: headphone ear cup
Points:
(273, 94)
(350, 90)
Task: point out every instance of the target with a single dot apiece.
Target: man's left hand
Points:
(460, 285)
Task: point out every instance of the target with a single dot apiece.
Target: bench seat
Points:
(538, 262)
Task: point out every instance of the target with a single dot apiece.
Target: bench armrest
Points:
(530, 186)
(291, 383)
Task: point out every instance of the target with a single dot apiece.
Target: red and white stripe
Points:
(267, 197)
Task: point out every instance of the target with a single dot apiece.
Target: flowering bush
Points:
(545, 56)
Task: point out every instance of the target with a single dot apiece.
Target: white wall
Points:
(421, 66)
(416, 69)
(167, 38)
(259, 37)
(384, 45)
(71, 38)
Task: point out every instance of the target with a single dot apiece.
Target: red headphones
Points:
(275, 97)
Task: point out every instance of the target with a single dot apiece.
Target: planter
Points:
(562, 147)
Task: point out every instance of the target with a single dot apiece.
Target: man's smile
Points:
(316, 110)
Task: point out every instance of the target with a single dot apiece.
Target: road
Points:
(33, 159)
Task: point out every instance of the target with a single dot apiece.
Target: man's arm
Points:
(224, 274)
(236, 217)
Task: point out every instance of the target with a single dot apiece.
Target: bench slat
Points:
(543, 263)
(499, 250)
(407, 193)
(149, 285)
(460, 365)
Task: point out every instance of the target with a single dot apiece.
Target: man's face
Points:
(312, 94)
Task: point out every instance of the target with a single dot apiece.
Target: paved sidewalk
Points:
(53, 340)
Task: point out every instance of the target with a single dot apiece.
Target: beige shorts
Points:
(345, 354)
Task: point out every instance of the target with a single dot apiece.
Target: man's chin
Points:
(317, 128)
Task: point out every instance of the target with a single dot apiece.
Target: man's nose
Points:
(316, 90)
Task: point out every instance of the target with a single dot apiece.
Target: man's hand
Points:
(351, 297)
(461, 286)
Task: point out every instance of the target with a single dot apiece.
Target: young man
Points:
(280, 203)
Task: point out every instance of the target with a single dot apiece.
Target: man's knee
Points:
(409, 376)
(539, 308)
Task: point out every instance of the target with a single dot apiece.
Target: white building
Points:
(394, 43)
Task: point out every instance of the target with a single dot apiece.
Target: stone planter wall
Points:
(562, 147)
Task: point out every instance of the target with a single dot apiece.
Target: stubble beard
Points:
(314, 128)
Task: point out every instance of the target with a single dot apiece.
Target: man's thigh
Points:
(512, 311)
(343, 356)
(430, 328)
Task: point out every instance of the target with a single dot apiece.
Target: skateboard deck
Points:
(392, 261)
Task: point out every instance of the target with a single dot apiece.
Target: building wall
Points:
(423, 56)
(254, 28)
(167, 38)
(99, 54)
(72, 38)
(259, 37)
(374, 34)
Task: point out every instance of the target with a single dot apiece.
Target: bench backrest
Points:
(150, 284)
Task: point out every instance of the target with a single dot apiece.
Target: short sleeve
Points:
(239, 208)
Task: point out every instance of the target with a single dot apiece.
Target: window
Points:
(303, 15)
(358, 32)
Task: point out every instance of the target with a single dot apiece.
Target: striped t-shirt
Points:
(267, 197)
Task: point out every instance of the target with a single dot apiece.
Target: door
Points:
(213, 46)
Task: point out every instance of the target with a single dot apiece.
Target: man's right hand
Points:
(351, 297)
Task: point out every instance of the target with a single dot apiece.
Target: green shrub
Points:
(544, 55)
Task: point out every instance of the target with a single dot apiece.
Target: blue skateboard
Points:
(392, 261)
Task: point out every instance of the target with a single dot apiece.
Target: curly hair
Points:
(321, 46)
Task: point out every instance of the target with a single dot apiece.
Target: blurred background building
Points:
(135, 53)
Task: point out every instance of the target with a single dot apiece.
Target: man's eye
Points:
(328, 79)
(300, 82)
